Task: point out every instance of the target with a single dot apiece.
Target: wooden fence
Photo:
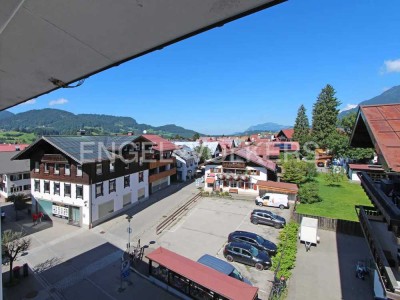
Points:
(341, 226)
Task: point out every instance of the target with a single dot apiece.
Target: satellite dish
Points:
(144, 131)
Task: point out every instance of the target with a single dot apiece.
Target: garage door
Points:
(106, 208)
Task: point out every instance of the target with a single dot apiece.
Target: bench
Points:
(234, 191)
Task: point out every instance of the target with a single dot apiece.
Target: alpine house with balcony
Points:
(378, 126)
(89, 179)
(238, 172)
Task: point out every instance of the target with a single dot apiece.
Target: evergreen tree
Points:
(325, 115)
(301, 128)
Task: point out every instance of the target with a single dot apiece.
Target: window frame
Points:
(127, 181)
(80, 186)
(79, 171)
(54, 188)
(56, 169)
(99, 168)
(34, 186)
(65, 193)
(101, 193)
(46, 182)
(36, 167)
(67, 168)
(114, 182)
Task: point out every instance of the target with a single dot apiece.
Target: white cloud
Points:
(392, 66)
(60, 101)
(29, 102)
(349, 106)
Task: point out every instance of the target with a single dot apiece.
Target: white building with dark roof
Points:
(186, 163)
(14, 175)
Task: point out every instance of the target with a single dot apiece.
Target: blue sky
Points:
(258, 69)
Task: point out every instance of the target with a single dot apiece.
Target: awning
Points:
(46, 45)
(210, 180)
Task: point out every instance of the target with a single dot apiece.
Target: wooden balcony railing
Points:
(163, 162)
(161, 175)
(386, 276)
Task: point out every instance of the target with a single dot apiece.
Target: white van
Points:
(274, 200)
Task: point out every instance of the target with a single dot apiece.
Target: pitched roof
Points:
(366, 167)
(184, 154)
(12, 147)
(210, 145)
(160, 144)
(378, 126)
(289, 188)
(8, 166)
(253, 157)
(224, 285)
(83, 148)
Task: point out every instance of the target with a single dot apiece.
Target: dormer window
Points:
(99, 168)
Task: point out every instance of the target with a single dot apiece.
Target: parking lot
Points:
(205, 229)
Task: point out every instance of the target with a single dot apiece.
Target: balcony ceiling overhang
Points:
(47, 44)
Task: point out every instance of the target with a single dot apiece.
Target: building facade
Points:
(14, 175)
(238, 172)
(186, 164)
(89, 179)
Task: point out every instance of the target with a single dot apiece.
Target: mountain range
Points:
(392, 95)
(60, 122)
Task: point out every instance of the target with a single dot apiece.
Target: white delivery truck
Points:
(274, 200)
(309, 232)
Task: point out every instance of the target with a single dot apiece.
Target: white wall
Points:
(8, 184)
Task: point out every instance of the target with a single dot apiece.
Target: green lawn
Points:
(337, 201)
(16, 137)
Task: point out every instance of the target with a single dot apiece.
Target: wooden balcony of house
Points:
(162, 162)
(384, 262)
(385, 204)
(54, 158)
(161, 175)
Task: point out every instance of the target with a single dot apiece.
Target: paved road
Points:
(76, 263)
(328, 270)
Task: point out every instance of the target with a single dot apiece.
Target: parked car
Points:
(259, 216)
(247, 254)
(274, 200)
(253, 239)
(222, 266)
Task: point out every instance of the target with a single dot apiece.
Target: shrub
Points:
(285, 259)
(308, 193)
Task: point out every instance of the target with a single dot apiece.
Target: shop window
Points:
(159, 272)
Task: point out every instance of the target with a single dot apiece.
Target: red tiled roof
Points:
(12, 147)
(253, 157)
(224, 285)
(288, 133)
(160, 144)
(290, 188)
(383, 127)
(266, 149)
(365, 167)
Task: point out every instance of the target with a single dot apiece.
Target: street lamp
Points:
(129, 229)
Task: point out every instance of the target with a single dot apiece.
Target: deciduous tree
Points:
(13, 244)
